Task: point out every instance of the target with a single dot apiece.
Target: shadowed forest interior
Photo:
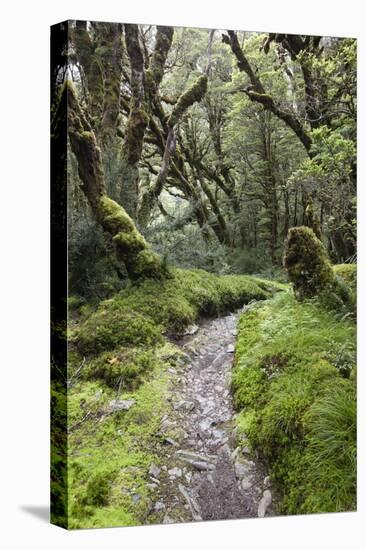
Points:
(211, 226)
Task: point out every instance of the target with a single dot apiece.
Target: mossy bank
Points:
(120, 353)
(294, 386)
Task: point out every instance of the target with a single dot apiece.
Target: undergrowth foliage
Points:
(294, 385)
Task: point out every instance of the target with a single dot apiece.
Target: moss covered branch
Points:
(194, 94)
(131, 247)
(110, 51)
(155, 72)
(85, 52)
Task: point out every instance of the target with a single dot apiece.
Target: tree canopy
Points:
(214, 142)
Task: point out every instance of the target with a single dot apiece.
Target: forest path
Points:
(206, 475)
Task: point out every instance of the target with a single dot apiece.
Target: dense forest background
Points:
(215, 143)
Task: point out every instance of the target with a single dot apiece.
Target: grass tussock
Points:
(294, 383)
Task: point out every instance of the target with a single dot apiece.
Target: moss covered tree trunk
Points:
(110, 50)
(92, 73)
(194, 94)
(131, 247)
(144, 86)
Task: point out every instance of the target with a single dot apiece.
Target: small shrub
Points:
(124, 368)
(98, 489)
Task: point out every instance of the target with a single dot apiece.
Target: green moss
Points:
(123, 368)
(289, 357)
(310, 271)
(307, 263)
(110, 454)
(98, 488)
(113, 217)
(110, 327)
(130, 242)
(347, 272)
(312, 219)
(266, 99)
(131, 246)
(148, 265)
(135, 130)
(194, 94)
(140, 314)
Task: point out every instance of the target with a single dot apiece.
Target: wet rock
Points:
(159, 506)
(241, 468)
(267, 481)
(192, 503)
(166, 425)
(246, 484)
(193, 329)
(184, 405)
(190, 456)
(168, 519)
(154, 470)
(175, 472)
(264, 503)
(188, 477)
(202, 466)
(218, 360)
(170, 441)
(235, 453)
(121, 404)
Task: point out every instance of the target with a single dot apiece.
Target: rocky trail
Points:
(206, 472)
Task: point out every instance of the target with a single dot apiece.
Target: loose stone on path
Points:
(205, 474)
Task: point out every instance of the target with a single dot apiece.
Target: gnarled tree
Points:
(131, 247)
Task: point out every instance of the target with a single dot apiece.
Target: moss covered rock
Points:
(306, 262)
(310, 271)
(348, 273)
(143, 312)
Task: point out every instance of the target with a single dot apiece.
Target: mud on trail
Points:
(206, 472)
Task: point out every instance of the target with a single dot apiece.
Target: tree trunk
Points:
(131, 247)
